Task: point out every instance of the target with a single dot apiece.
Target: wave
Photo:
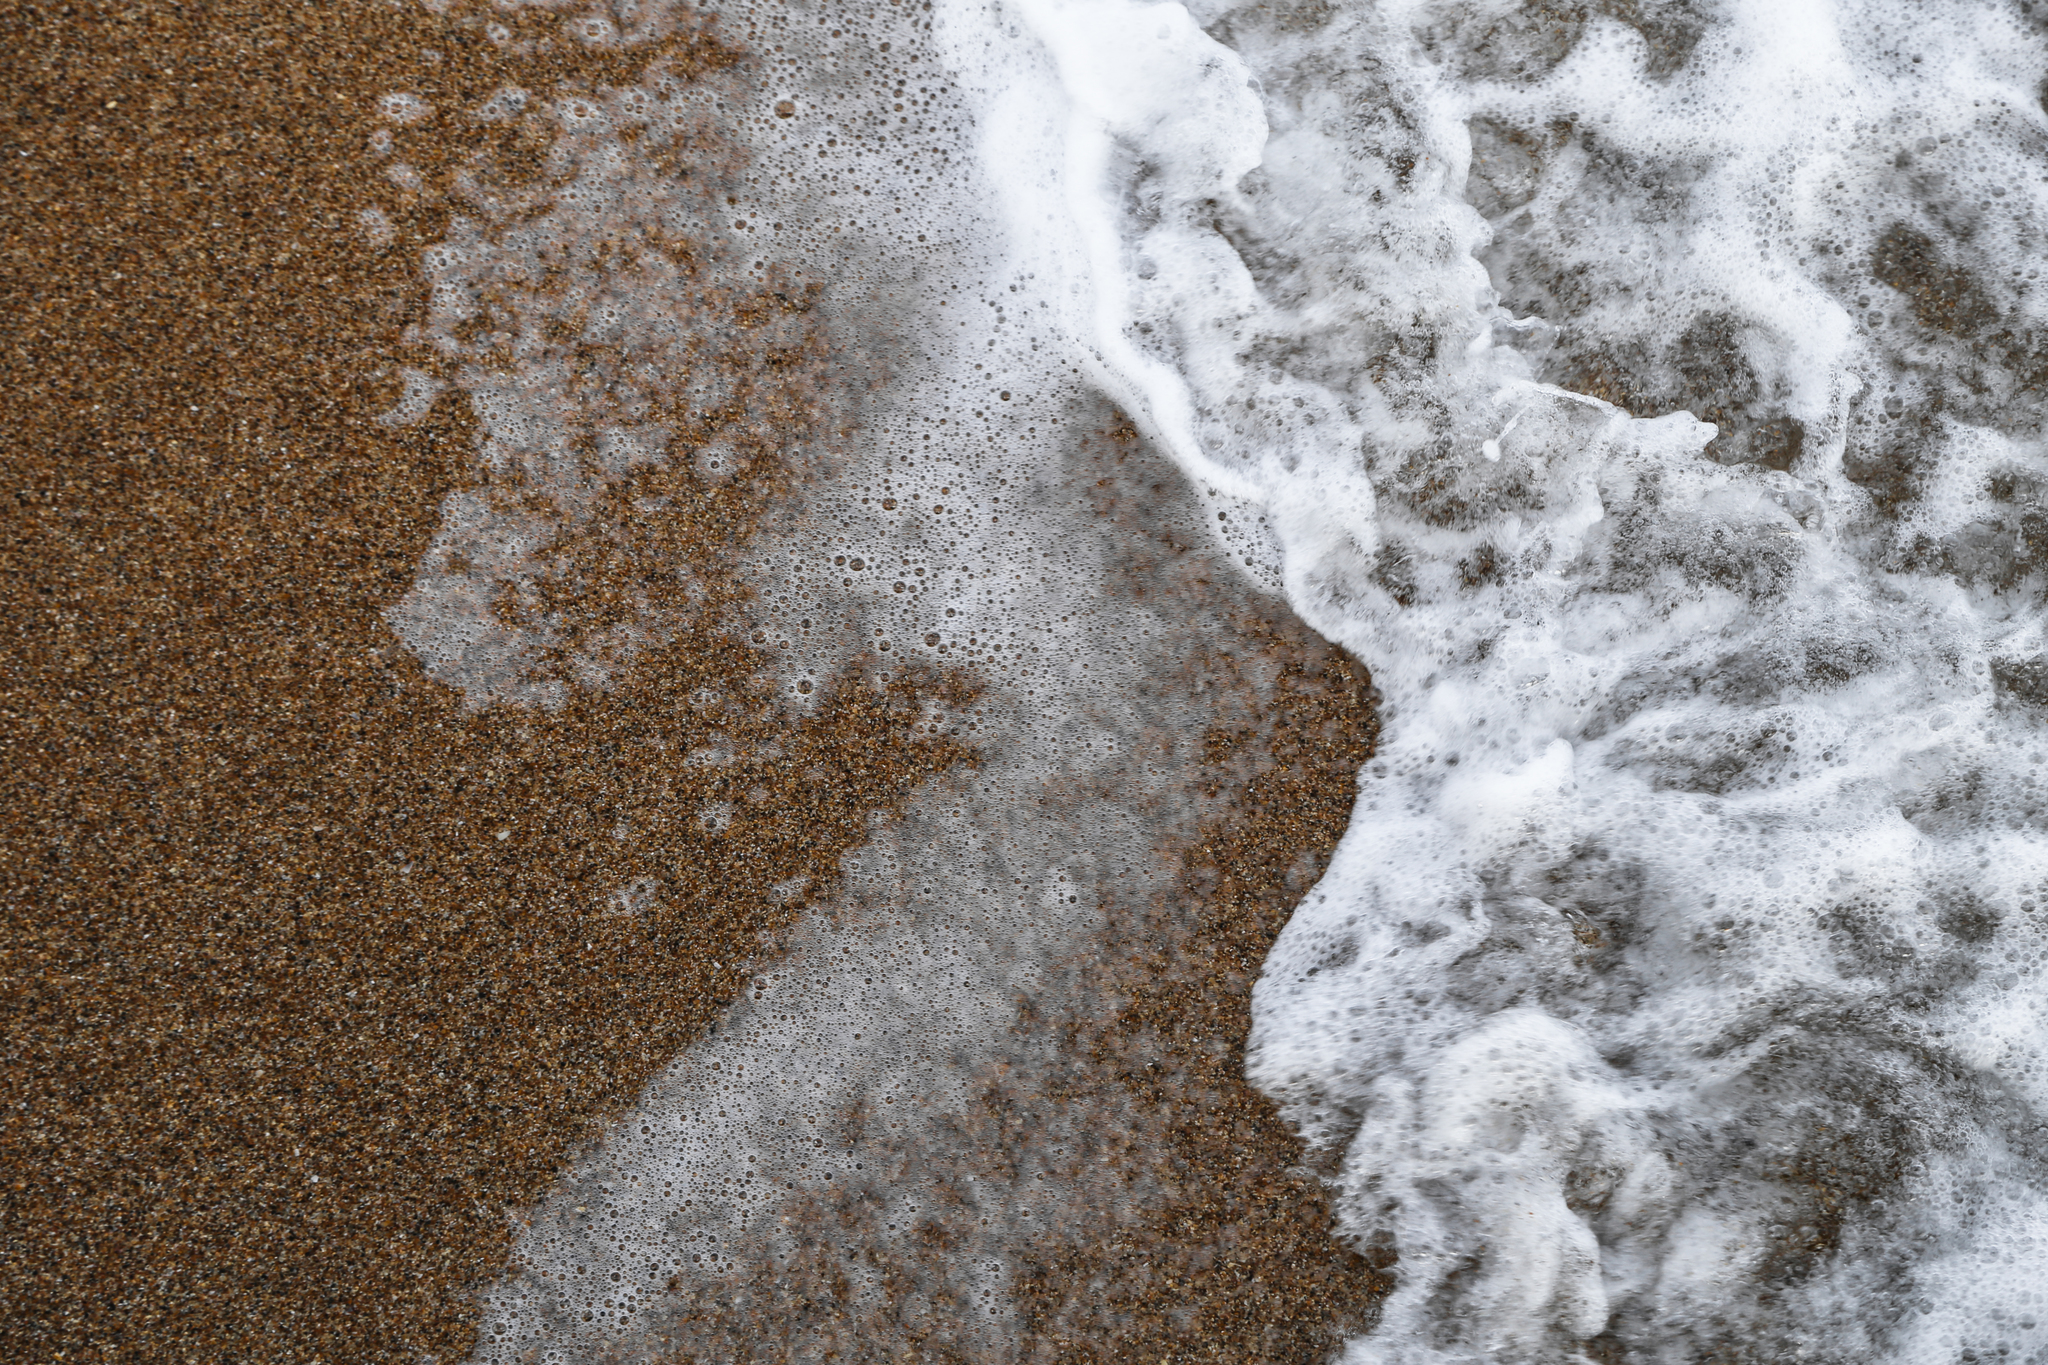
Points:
(1648, 393)
(1675, 993)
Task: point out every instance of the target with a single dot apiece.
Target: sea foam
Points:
(1650, 396)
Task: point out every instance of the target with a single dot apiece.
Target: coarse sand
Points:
(310, 982)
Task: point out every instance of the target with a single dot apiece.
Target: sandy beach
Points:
(313, 986)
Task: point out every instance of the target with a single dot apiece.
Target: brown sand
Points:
(290, 1025)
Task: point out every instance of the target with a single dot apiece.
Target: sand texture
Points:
(318, 972)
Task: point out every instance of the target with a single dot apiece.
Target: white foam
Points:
(1668, 984)
(1679, 980)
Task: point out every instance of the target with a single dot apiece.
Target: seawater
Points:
(1650, 395)
(1676, 992)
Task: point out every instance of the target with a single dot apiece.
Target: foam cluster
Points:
(1650, 397)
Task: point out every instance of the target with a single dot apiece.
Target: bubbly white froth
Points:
(1678, 981)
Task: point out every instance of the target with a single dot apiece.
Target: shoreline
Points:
(295, 1026)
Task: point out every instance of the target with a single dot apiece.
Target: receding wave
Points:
(1648, 394)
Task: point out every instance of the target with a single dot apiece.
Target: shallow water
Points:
(1647, 394)
(1673, 995)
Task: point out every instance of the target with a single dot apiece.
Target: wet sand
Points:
(314, 974)
(1236, 1262)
